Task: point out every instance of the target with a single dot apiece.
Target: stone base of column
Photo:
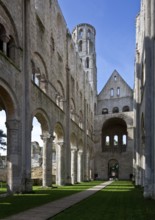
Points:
(148, 191)
(28, 185)
(68, 181)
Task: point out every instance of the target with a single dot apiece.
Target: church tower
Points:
(84, 38)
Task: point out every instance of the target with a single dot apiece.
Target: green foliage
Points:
(2, 140)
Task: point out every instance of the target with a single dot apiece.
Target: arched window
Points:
(118, 91)
(114, 132)
(126, 109)
(89, 34)
(115, 110)
(80, 46)
(111, 92)
(2, 39)
(107, 141)
(124, 139)
(80, 33)
(115, 140)
(11, 49)
(104, 111)
(90, 47)
(87, 62)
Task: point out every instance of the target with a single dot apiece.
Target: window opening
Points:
(111, 92)
(115, 140)
(126, 109)
(87, 62)
(104, 111)
(115, 110)
(107, 141)
(80, 33)
(80, 46)
(118, 91)
(89, 33)
(124, 139)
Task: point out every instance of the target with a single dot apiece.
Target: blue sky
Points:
(114, 21)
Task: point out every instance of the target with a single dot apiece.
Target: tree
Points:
(2, 140)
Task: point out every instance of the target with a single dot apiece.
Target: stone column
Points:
(86, 178)
(153, 95)
(14, 160)
(75, 166)
(149, 93)
(72, 165)
(47, 160)
(62, 158)
(79, 166)
(60, 164)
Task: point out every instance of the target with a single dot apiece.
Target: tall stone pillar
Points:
(14, 157)
(47, 160)
(60, 166)
(87, 174)
(73, 156)
(79, 166)
(149, 115)
(153, 96)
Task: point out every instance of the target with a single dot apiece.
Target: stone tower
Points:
(84, 38)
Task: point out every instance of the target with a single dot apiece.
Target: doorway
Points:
(113, 169)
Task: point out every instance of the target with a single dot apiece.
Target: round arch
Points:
(43, 119)
(58, 151)
(113, 169)
(114, 135)
(73, 141)
(58, 132)
(8, 102)
(80, 145)
(39, 71)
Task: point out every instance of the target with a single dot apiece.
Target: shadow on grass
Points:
(112, 204)
(21, 202)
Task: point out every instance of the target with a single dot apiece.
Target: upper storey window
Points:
(118, 91)
(2, 37)
(80, 33)
(7, 43)
(111, 92)
(89, 34)
(126, 109)
(104, 111)
(87, 62)
(115, 78)
(80, 46)
(115, 110)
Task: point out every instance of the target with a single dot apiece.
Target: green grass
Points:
(119, 201)
(21, 202)
(3, 188)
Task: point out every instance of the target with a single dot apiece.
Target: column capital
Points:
(60, 143)
(12, 124)
(73, 149)
(5, 38)
(80, 151)
(47, 136)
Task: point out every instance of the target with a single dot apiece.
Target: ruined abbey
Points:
(48, 73)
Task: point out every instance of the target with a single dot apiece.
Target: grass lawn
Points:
(18, 203)
(119, 201)
(2, 188)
